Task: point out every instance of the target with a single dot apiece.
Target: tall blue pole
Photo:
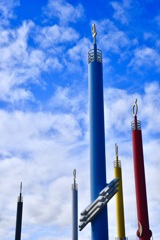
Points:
(99, 224)
(74, 208)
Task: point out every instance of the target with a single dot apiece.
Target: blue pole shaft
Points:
(19, 220)
(97, 145)
(75, 214)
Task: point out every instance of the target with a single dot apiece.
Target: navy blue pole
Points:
(99, 224)
(19, 216)
(74, 208)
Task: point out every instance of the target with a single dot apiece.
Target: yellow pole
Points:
(119, 199)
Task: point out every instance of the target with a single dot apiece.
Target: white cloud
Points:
(64, 11)
(111, 38)
(64, 99)
(51, 36)
(21, 64)
(7, 11)
(148, 36)
(145, 57)
(121, 11)
(80, 51)
(118, 107)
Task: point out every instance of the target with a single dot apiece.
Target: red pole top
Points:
(136, 125)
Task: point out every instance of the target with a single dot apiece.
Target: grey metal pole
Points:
(74, 208)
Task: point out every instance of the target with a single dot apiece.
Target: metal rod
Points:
(143, 232)
(74, 208)
(19, 215)
(99, 225)
(120, 221)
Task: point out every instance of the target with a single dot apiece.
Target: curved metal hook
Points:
(74, 173)
(94, 33)
(116, 149)
(135, 108)
(21, 188)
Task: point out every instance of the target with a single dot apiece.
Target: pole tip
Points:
(21, 188)
(94, 33)
(116, 149)
(74, 173)
(74, 185)
(135, 108)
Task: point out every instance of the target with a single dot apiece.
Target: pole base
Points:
(121, 238)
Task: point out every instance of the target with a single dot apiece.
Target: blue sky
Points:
(44, 125)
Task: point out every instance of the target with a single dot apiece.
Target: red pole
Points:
(143, 232)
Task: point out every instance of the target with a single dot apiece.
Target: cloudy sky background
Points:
(44, 124)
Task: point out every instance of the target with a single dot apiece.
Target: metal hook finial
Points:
(94, 33)
(135, 106)
(21, 188)
(116, 149)
(74, 173)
